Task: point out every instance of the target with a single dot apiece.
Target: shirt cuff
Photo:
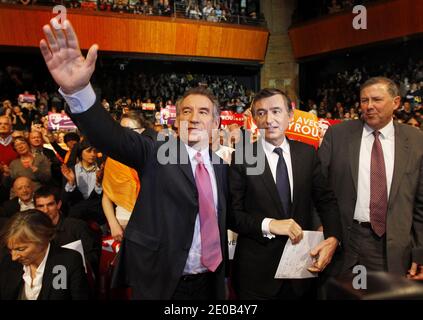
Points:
(69, 188)
(80, 101)
(265, 228)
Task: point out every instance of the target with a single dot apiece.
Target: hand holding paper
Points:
(296, 258)
(323, 254)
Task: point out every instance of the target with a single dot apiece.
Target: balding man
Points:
(23, 188)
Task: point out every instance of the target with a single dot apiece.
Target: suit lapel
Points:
(184, 162)
(47, 276)
(354, 151)
(296, 174)
(400, 162)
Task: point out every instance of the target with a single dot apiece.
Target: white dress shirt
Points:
(32, 287)
(26, 206)
(193, 264)
(387, 139)
(273, 158)
(86, 180)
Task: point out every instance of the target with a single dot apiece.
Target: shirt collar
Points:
(30, 203)
(386, 132)
(80, 168)
(269, 148)
(42, 266)
(6, 141)
(204, 153)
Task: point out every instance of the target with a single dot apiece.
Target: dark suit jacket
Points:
(160, 232)
(340, 152)
(10, 207)
(69, 230)
(11, 281)
(255, 197)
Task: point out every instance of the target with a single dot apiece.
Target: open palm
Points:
(61, 52)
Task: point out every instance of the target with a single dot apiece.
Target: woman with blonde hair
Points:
(35, 269)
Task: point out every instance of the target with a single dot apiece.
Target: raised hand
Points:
(60, 49)
(68, 174)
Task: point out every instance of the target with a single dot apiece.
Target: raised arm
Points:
(63, 57)
(72, 72)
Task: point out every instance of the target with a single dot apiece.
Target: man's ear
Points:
(59, 204)
(291, 115)
(397, 102)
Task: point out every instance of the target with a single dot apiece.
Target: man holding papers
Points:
(270, 206)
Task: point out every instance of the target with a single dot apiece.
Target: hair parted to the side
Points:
(28, 226)
(391, 86)
(201, 91)
(267, 93)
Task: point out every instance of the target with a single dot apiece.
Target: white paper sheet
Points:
(232, 237)
(77, 246)
(296, 258)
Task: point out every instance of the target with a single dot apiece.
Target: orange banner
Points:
(304, 127)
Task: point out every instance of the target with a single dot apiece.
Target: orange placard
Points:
(304, 127)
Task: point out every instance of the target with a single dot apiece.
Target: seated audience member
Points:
(7, 153)
(23, 189)
(36, 143)
(28, 235)
(83, 190)
(35, 167)
(68, 230)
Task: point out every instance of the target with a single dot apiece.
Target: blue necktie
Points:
(282, 183)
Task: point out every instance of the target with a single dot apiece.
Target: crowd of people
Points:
(228, 11)
(337, 96)
(170, 196)
(307, 10)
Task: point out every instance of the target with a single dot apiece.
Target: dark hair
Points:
(30, 225)
(47, 191)
(391, 86)
(267, 93)
(19, 138)
(71, 136)
(83, 145)
(201, 91)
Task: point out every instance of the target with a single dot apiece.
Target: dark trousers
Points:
(195, 287)
(364, 248)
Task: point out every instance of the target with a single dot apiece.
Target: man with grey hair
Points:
(174, 243)
(375, 167)
(7, 153)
